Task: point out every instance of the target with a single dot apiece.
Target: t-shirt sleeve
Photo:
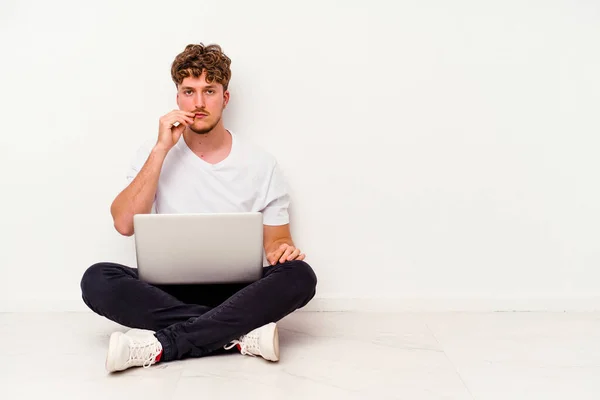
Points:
(277, 199)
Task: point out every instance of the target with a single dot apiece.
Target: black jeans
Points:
(195, 320)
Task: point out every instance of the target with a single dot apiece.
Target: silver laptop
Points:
(199, 248)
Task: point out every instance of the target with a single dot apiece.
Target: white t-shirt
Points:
(248, 180)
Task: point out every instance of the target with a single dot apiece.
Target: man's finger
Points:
(181, 120)
(182, 112)
(294, 254)
(274, 256)
(301, 257)
(286, 254)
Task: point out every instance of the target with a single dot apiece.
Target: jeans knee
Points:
(304, 280)
(89, 283)
(91, 278)
(304, 276)
(94, 281)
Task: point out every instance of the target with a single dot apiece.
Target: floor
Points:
(323, 356)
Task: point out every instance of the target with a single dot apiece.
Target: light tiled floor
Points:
(323, 356)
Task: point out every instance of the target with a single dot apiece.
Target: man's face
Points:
(206, 100)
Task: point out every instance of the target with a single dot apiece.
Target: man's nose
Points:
(199, 101)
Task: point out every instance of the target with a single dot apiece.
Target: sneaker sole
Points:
(270, 340)
(111, 355)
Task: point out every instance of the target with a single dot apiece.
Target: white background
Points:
(440, 154)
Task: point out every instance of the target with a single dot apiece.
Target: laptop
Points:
(199, 248)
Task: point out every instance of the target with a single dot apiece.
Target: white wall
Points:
(441, 154)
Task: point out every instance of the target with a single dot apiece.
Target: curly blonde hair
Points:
(197, 58)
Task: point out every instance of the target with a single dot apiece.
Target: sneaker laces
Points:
(248, 345)
(145, 351)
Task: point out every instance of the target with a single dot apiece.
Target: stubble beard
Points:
(206, 130)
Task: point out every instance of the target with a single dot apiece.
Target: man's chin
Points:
(201, 130)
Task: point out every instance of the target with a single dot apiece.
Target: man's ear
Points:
(225, 98)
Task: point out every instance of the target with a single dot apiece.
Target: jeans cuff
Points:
(167, 346)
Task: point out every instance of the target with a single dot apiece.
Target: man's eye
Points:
(209, 91)
(188, 92)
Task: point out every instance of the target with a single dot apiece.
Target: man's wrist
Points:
(159, 150)
(275, 245)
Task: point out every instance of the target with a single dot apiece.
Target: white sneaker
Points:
(263, 341)
(135, 348)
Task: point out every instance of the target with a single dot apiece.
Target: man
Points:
(196, 166)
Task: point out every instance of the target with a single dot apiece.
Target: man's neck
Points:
(207, 143)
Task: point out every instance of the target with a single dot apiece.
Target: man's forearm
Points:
(138, 197)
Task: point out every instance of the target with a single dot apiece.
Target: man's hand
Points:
(285, 253)
(168, 135)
